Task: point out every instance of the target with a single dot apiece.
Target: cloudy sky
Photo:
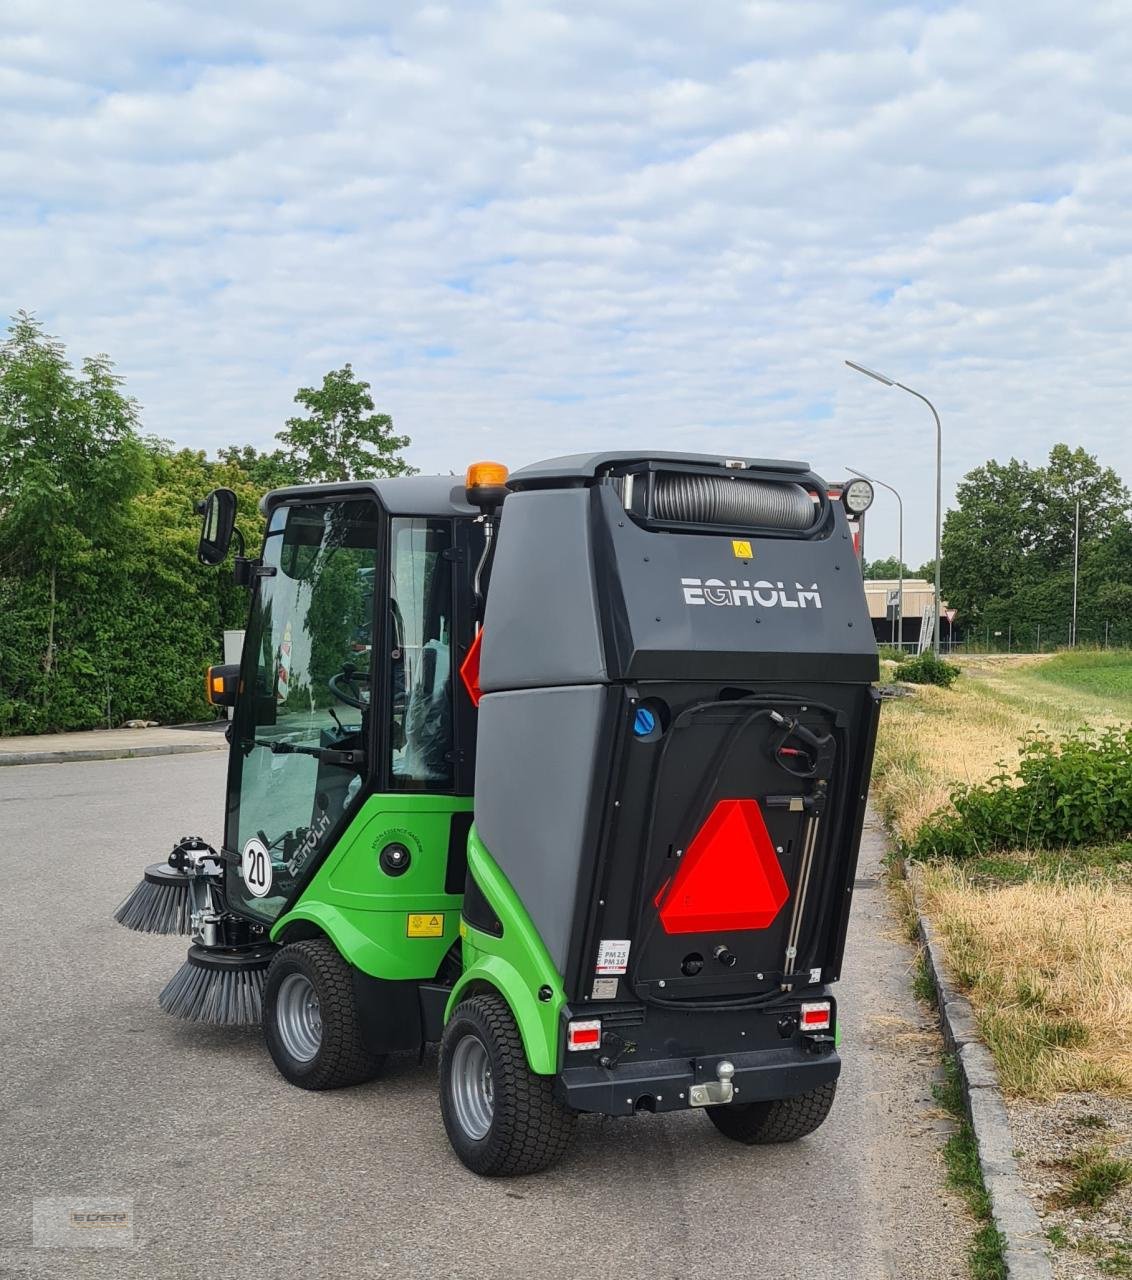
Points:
(538, 228)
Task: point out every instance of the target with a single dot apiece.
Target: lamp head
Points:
(872, 373)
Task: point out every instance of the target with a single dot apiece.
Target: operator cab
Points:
(352, 688)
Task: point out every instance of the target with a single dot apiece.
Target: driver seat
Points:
(428, 719)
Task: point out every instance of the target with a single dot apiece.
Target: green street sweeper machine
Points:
(564, 770)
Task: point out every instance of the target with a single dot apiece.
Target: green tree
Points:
(107, 614)
(264, 470)
(70, 463)
(889, 567)
(989, 535)
(1074, 476)
(1008, 547)
(341, 438)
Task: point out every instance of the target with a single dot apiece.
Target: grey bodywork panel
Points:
(580, 593)
(686, 606)
(542, 611)
(540, 758)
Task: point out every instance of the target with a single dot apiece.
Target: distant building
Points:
(882, 595)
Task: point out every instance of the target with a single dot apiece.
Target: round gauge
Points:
(857, 497)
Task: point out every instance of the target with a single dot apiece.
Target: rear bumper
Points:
(663, 1084)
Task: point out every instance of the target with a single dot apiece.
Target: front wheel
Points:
(501, 1118)
(782, 1120)
(310, 1018)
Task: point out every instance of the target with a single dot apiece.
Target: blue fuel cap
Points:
(644, 723)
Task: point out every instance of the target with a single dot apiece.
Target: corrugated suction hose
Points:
(714, 500)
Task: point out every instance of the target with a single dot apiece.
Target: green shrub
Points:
(1072, 791)
(927, 669)
(889, 653)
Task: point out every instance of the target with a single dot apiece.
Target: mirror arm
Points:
(245, 571)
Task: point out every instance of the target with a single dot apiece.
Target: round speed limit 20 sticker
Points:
(255, 862)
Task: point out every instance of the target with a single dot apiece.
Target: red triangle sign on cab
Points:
(470, 669)
(729, 877)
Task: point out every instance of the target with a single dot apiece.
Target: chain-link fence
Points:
(1025, 638)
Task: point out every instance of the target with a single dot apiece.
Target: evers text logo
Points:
(768, 594)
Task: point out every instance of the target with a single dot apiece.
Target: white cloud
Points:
(538, 228)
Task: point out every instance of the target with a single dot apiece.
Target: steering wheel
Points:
(351, 678)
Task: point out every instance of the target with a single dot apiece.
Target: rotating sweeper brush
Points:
(222, 987)
(162, 902)
(221, 980)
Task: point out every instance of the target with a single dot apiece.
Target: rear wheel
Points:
(783, 1120)
(310, 1019)
(501, 1118)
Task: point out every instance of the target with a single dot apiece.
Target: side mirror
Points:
(222, 684)
(219, 519)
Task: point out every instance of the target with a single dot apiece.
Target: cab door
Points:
(303, 740)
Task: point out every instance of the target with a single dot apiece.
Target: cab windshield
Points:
(302, 720)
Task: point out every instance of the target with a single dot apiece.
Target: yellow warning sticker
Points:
(424, 924)
(742, 549)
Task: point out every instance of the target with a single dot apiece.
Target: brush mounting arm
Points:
(191, 853)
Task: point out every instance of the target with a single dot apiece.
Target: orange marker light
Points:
(486, 475)
(215, 687)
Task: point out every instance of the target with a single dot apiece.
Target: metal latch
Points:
(714, 1091)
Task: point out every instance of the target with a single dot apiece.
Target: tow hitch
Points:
(714, 1092)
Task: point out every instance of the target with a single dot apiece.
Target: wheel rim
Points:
(298, 1017)
(472, 1087)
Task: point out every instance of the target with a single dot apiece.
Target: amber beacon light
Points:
(486, 484)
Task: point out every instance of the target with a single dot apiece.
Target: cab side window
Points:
(421, 697)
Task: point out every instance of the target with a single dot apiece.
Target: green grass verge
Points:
(923, 983)
(1088, 863)
(1103, 673)
(961, 1157)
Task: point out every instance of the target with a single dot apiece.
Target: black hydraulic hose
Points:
(725, 1005)
(483, 569)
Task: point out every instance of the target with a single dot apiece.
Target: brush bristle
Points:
(158, 908)
(220, 997)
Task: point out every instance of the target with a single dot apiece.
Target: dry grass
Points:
(940, 737)
(1048, 967)
(1046, 962)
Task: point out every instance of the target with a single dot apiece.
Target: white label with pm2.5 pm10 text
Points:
(612, 955)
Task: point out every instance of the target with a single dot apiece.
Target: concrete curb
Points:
(1023, 1238)
(107, 753)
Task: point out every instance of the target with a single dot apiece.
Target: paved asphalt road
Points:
(234, 1173)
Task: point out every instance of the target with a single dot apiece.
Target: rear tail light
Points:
(814, 1016)
(585, 1034)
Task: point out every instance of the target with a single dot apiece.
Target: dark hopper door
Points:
(738, 859)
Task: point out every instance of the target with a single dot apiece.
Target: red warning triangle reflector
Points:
(729, 877)
(470, 669)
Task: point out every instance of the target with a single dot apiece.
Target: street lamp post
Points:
(899, 546)
(891, 382)
(1076, 549)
